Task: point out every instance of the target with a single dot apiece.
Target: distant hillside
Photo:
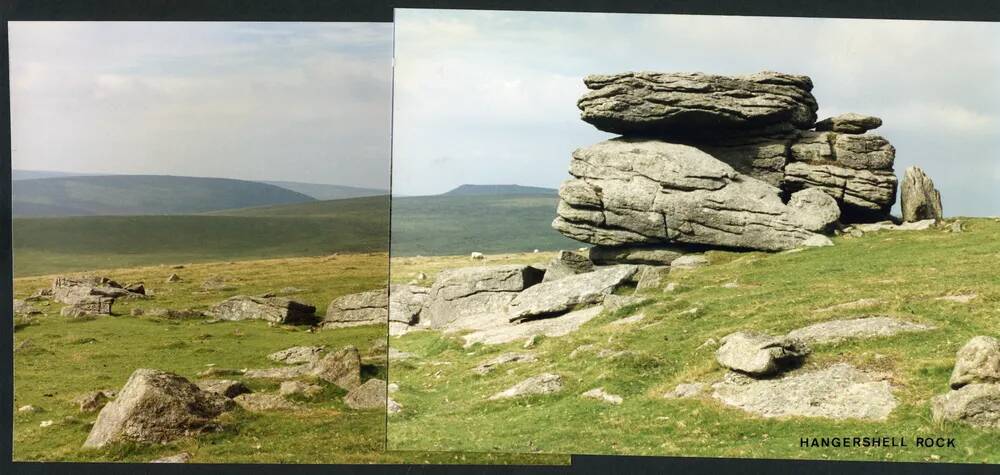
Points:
(473, 190)
(80, 243)
(328, 192)
(459, 224)
(16, 174)
(142, 195)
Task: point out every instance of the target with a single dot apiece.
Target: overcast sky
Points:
(490, 97)
(304, 102)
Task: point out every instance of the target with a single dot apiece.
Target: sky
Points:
(490, 97)
(308, 102)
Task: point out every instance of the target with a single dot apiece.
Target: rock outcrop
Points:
(475, 291)
(559, 296)
(975, 382)
(978, 361)
(758, 354)
(365, 308)
(406, 302)
(919, 200)
(272, 309)
(156, 407)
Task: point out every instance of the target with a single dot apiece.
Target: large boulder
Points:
(371, 395)
(156, 407)
(977, 362)
(406, 302)
(628, 191)
(759, 354)
(696, 105)
(365, 308)
(342, 368)
(272, 309)
(475, 291)
(74, 290)
(560, 296)
(919, 199)
(977, 405)
(88, 306)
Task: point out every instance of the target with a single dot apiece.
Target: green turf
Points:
(446, 407)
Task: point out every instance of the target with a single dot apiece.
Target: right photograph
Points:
(705, 236)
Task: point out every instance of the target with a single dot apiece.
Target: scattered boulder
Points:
(614, 302)
(272, 309)
(224, 387)
(342, 368)
(299, 388)
(90, 306)
(687, 390)
(406, 302)
(559, 296)
(503, 359)
(136, 288)
(156, 406)
(645, 255)
(85, 290)
(962, 298)
(27, 409)
(173, 278)
(23, 308)
(298, 355)
(650, 277)
(176, 314)
(182, 457)
(978, 361)
(216, 283)
(371, 395)
(94, 400)
(919, 199)
(365, 308)
(458, 294)
(837, 392)
(974, 404)
(392, 407)
(864, 327)
(850, 123)
(260, 402)
(601, 395)
(546, 383)
(759, 354)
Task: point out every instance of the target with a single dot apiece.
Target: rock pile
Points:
(975, 383)
(718, 161)
(91, 295)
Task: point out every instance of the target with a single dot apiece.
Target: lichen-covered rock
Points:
(466, 292)
(696, 105)
(371, 395)
(94, 400)
(919, 200)
(365, 308)
(559, 296)
(977, 405)
(978, 361)
(24, 308)
(529, 331)
(759, 354)
(633, 191)
(851, 123)
(272, 309)
(156, 406)
(342, 368)
(565, 264)
(406, 302)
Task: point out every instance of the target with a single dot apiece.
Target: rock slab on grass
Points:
(530, 330)
(297, 355)
(260, 402)
(370, 395)
(503, 359)
(601, 395)
(567, 263)
(156, 406)
(838, 392)
(342, 368)
(472, 292)
(759, 354)
(974, 404)
(864, 327)
(364, 308)
(272, 309)
(224, 387)
(546, 383)
(978, 361)
(654, 256)
(557, 297)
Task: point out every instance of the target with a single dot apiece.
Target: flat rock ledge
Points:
(864, 327)
(759, 354)
(546, 383)
(549, 327)
(838, 392)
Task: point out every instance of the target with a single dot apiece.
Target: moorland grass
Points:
(446, 407)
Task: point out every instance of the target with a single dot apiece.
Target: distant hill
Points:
(16, 174)
(318, 228)
(459, 224)
(473, 190)
(142, 195)
(328, 192)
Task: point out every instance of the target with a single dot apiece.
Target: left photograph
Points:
(200, 234)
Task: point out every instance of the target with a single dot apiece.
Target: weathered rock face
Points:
(365, 308)
(759, 354)
(567, 263)
(90, 305)
(685, 105)
(475, 291)
(72, 290)
(406, 302)
(559, 296)
(975, 404)
(919, 199)
(655, 256)
(24, 308)
(977, 362)
(550, 327)
(272, 309)
(297, 355)
(342, 368)
(224, 387)
(371, 395)
(156, 406)
(634, 191)
(850, 123)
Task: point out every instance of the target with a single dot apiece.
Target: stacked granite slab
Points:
(710, 161)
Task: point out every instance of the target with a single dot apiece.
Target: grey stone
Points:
(850, 122)
(364, 308)
(975, 404)
(342, 368)
(299, 388)
(182, 457)
(837, 392)
(94, 400)
(565, 264)
(24, 308)
(529, 330)
(686, 390)
(861, 194)
(696, 105)
(261, 402)
(650, 277)
(272, 309)
(370, 395)
(689, 261)
(978, 361)
(475, 292)
(601, 395)
(76, 290)
(546, 383)
(759, 354)
(155, 406)
(556, 297)
(654, 256)
(298, 355)
(173, 278)
(614, 302)
(503, 359)
(91, 306)
(406, 302)
(650, 193)
(919, 200)
(864, 327)
(224, 387)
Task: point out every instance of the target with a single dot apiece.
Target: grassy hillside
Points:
(49, 245)
(142, 194)
(328, 192)
(447, 225)
(472, 190)
(445, 405)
